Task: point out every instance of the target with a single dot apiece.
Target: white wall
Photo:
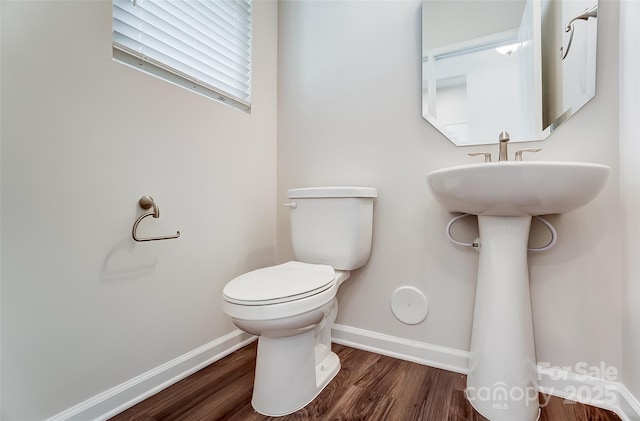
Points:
(349, 112)
(84, 308)
(0, 214)
(630, 189)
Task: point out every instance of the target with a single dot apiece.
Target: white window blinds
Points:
(202, 45)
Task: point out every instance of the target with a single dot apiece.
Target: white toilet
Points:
(291, 307)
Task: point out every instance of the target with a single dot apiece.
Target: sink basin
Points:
(516, 188)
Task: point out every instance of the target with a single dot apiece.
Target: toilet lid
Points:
(278, 284)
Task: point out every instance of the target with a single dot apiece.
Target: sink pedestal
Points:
(502, 379)
(501, 384)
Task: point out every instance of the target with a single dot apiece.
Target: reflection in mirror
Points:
(497, 65)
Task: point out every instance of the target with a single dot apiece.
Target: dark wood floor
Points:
(369, 387)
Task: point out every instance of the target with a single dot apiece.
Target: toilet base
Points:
(288, 378)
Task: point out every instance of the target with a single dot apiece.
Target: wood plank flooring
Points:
(369, 387)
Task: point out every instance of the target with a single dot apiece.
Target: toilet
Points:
(291, 307)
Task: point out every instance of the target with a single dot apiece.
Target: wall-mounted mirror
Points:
(521, 66)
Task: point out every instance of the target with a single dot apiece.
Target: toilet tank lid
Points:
(337, 191)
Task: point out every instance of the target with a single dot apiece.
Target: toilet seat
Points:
(283, 283)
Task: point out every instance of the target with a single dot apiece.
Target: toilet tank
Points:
(332, 225)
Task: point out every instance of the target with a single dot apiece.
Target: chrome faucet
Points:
(504, 139)
(502, 155)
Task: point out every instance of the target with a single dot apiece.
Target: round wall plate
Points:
(409, 305)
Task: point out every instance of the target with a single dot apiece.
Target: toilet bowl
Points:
(291, 307)
(288, 375)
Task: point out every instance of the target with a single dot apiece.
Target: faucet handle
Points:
(519, 153)
(487, 155)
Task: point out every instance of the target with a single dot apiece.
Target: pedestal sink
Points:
(501, 384)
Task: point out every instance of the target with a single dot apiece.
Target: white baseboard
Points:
(405, 349)
(117, 399)
(628, 404)
(604, 394)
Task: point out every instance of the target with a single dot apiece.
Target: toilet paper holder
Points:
(147, 202)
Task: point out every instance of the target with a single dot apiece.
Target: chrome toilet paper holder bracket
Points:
(147, 202)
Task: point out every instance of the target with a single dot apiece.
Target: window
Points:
(201, 45)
